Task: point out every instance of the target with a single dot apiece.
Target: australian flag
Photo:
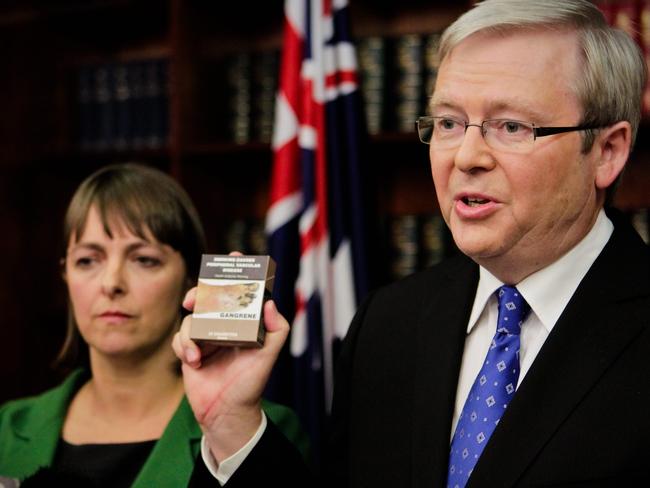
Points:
(315, 222)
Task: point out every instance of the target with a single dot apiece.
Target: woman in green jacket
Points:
(133, 248)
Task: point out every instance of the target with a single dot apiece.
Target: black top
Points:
(97, 465)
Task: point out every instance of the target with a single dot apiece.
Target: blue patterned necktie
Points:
(492, 390)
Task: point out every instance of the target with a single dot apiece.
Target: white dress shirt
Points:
(228, 466)
(547, 291)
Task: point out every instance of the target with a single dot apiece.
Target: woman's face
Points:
(126, 292)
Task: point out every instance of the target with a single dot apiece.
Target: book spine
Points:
(123, 109)
(138, 104)
(409, 83)
(372, 70)
(431, 65)
(239, 79)
(87, 111)
(432, 240)
(404, 239)
(154, 94)
(265, 87)
(105, 107)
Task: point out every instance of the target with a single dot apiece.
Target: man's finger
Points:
(190, 299)
(184, 347)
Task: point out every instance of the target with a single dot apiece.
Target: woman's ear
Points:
(613, 144)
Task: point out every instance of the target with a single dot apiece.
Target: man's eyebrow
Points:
(442, 103)
(518, 106)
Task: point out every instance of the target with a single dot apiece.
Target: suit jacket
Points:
(580, 417)
(30, 430)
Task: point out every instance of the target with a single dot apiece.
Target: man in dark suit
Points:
(535, 109)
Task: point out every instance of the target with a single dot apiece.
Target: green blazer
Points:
(30, 430)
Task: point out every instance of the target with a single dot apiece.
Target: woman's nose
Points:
(113, 278)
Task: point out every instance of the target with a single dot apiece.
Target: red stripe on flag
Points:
(312, 236)
(285, 177)
(338, 77)
(289, 81)
(327, 8)
(308, 105)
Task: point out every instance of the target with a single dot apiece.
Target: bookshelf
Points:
(45, 48)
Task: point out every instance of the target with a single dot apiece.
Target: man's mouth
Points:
(474, 202)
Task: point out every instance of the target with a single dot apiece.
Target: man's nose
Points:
(473, 152)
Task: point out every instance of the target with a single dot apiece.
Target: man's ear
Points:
(613, 146)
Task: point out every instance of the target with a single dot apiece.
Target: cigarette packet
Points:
(229, 300)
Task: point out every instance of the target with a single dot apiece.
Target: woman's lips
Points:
(115, 316)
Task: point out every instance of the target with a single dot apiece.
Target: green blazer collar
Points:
(37, 435)
(170, 463)
(172, 459)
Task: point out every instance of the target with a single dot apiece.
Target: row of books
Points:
(398, 75)
(123, 106)
(632, 16)
(252, 79)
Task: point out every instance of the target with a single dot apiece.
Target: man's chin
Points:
(476, 245)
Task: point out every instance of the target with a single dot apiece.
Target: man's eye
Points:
(447, 124)
(512, 127)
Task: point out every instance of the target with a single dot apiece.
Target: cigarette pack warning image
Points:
(230, 295)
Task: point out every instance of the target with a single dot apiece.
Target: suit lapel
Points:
(441, 331)
(599, 322)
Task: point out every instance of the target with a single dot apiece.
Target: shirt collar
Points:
(548, 290)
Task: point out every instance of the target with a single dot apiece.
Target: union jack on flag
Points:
(315, 219)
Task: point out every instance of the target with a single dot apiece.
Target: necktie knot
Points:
(513, 310)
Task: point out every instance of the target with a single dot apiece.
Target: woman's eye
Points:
(147, 261)
(84, 262)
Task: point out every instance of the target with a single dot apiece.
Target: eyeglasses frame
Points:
(537, 131)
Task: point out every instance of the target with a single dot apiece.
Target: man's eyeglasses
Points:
(500, 134)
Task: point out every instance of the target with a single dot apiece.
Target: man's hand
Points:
(224, 385)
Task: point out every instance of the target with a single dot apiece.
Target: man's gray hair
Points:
(613, 72)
